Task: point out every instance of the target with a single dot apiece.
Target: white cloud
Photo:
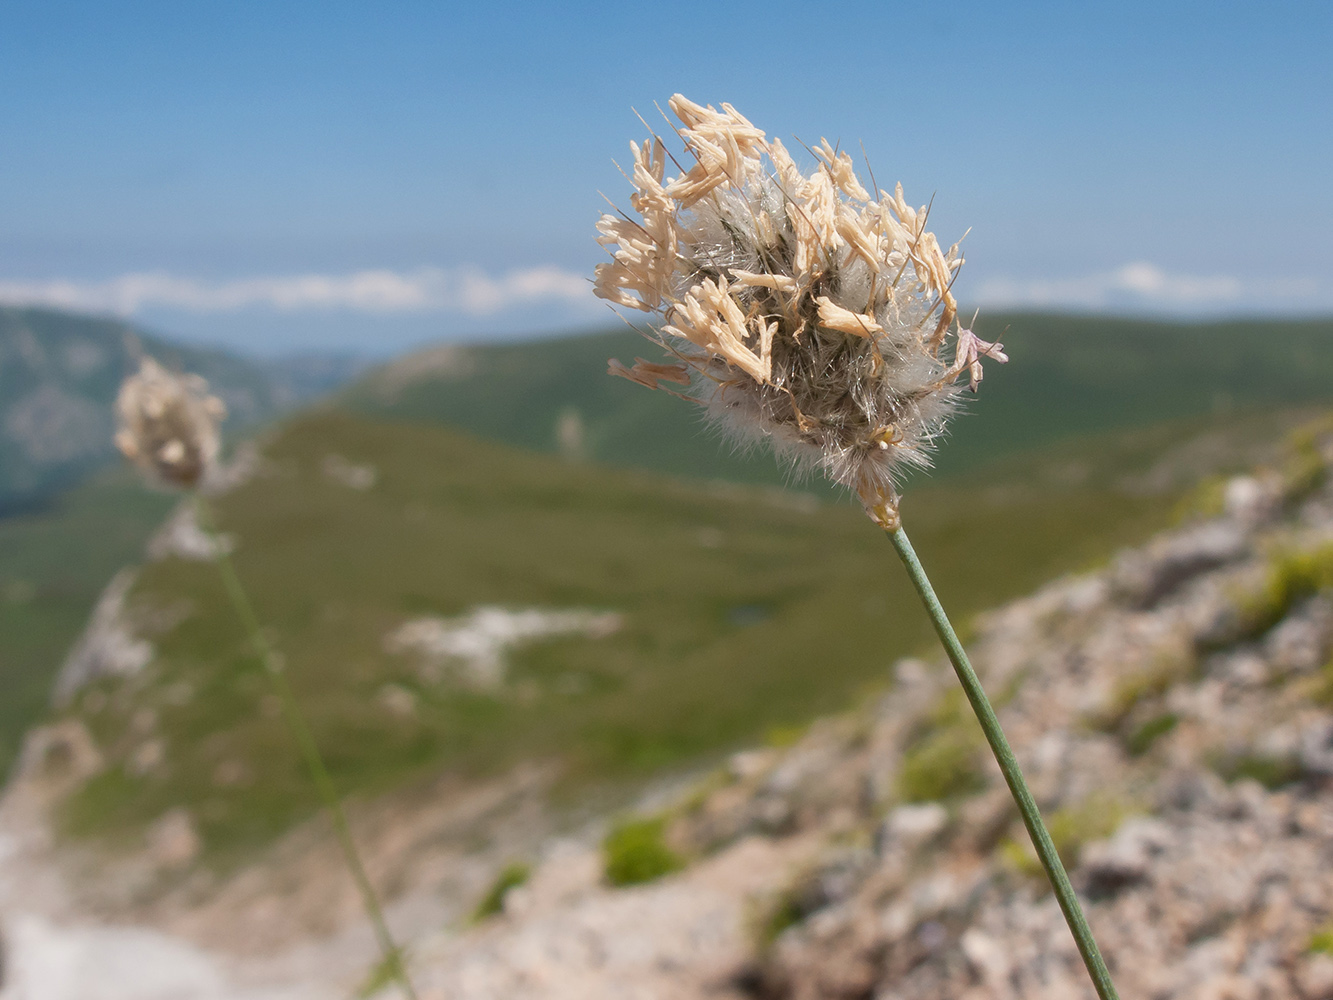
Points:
(427, 289)
(1142, 283)
(470, 291)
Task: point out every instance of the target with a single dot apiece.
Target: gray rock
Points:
(1314, 977)
(1244, 667)
(182, 537)
(1317, 748)
(836, 879)
(1107, 866)
(1299, 643)
(108, 646)
(908, 827)
(1140, 578)
(1252, 501)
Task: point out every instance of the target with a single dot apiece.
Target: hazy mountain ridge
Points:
(1069, 375)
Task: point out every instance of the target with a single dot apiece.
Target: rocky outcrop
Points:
(1173, 716)
(109, 645)
(476, 643)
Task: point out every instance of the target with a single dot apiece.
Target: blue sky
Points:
(280, 176)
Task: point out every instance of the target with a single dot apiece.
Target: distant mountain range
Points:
(59, 374)
(1069, 376)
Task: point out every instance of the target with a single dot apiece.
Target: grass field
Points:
(745, 610)
(54, 561)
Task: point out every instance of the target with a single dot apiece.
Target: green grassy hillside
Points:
(743, 608)
(1069, 376)
(54, 561)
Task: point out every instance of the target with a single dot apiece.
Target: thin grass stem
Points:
(1013, 776)
(305, 741)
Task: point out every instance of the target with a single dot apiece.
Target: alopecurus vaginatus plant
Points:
(167, 425)
(808, 313)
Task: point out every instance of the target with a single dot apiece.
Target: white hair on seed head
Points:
(800, 310)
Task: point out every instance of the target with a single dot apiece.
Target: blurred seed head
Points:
(800, 310)
(167, 425)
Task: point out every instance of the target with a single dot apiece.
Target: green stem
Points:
(1004, 756)
(305, 741)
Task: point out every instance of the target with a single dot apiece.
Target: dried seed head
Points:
(800, 310)
(167, 425)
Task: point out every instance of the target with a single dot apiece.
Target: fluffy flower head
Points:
(802, 310)
(167, 425)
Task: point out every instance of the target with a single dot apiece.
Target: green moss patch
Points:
(1071, 827)
(510, 877)
(636, 851)
(1148, 732)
